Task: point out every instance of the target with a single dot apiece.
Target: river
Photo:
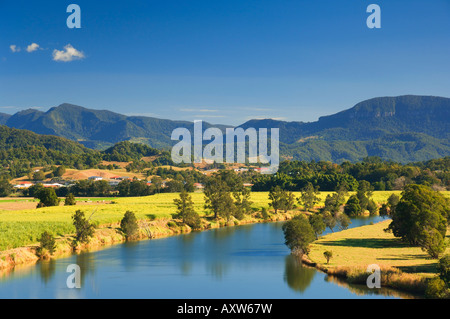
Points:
(248, 261)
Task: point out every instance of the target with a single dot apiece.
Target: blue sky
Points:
(221, 61)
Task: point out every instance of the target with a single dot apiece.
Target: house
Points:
(22, 185)
(198, 186)
(95, 178)
(53, 185)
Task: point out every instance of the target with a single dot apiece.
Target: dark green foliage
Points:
(437, 289)
(298, 234)
(420, 218)
(328, 254)
(317, 223)
(372, 207)
(343, 221)
(444, 269)
(352, 207)
(47, 197)
(126, 151)
(365, 191)
(384, 210)
(5, 186)
(84, 229)
(264, 213)
(186, 211)
(218, 197)
(46, 243)
(70, 200)
(276, 198)
(309, 196)
(242, 203)
(329, 220)
(59, 171)
(39, 176)
(129, 225)
(135, 188)
(333, 203)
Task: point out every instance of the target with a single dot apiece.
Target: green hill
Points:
(403, 129)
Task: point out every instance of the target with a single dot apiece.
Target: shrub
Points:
(444, 269)
(47, 243)
(328, 255)
(437, 289)
(172, 224)
(84, 229)
(70, 200)
(47, 197)
(129, 225)
(264, 213)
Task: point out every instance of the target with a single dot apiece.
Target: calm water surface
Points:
(249, 261)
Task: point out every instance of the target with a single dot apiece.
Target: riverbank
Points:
(402, 267)
(111, 234)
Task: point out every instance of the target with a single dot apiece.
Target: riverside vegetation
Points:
(224, 202)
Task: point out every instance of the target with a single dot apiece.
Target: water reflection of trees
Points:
(47, 270)
(297, 276)
(87, 265)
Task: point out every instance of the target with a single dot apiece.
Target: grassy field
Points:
(23, 227)
(366, 245)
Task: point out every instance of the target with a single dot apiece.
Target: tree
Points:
(264, 213)
(309, 196)
(39, 175)
(444, 269)
(432, 242)
(333, 203)
(328, 254)
(186, 211)
(242, 203)
(276, 198)
(129, 225)
(298, 234)
(287, 201)
(47, 197)
(352, 207)
(343, 221)
(372, 207)
(59, 171)
(317, 224)
(70, 200)
(84, 229)
(384, 210)
(5, 187)
(47, 244)
(420, 218)
(329, 220)
(218, 198)
(392, 203)
(365, 191)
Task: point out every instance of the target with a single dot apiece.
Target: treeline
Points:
(382, 175)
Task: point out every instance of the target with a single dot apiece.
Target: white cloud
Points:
(68, 54)
(14, 48)
(32, 47)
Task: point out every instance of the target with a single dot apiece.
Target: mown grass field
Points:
(23, 227)
(366, 245)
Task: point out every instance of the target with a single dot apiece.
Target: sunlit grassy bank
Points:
(23, 227)
(353, 250)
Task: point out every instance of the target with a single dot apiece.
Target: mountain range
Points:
(403, 129)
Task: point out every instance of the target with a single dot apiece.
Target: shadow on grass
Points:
(424, 268)
(151, 216)
(366, 243)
